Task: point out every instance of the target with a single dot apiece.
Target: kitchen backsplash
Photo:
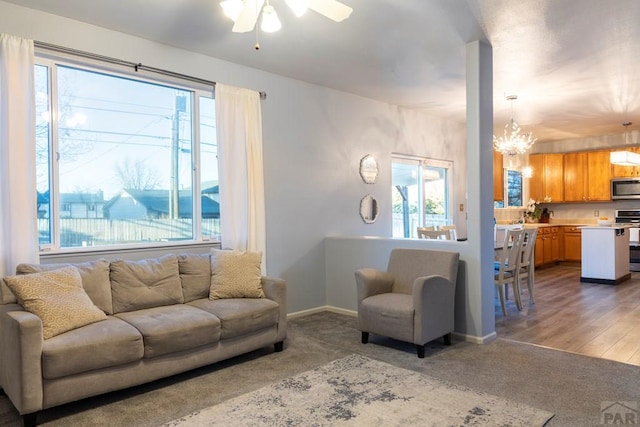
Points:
(585, 213)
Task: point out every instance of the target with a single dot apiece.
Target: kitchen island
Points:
(605, 254)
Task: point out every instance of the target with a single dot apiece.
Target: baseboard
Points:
(461, 337)
(321, 309)
(475, 339)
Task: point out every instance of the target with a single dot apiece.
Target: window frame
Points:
(421, 163)
(51, 60)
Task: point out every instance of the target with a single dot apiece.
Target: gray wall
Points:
(314, 138)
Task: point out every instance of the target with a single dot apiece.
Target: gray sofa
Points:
(160, 321)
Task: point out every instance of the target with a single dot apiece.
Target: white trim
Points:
(475, 339)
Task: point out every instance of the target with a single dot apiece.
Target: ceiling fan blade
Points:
(248, 17)
(332, 9)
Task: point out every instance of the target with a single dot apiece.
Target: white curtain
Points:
(18, 216)
(239, 134)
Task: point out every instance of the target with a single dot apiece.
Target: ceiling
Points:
(574, 64)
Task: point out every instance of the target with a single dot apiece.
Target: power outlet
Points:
(596, 212)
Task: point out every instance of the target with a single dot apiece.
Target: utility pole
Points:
(174, 191)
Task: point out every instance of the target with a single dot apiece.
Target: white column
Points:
(479, 310)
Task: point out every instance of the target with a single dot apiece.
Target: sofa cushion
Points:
(95, 279)
(147, 283)
(6, 296)
(57, 298)
(99, 345)
(195, 275)
(239, 316)
(388, 314)
(173, 328)
(235, 274)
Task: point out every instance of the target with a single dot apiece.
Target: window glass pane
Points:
(406, 198)
(209, 169)
(514, 188)
(435, 196)
(43, 138)
(124, 151)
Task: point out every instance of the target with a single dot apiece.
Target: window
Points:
(123, 159)
(513, 189)
(421, 194)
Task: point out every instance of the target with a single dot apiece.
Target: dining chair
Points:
(527, 269)
(436, 234)
(451, 229)
(421, 231)
(507, 267)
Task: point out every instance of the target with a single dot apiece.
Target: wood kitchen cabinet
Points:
(572, 243)
(547, 181)
(587, 176)
(618, 171)
(547, 249)
(498, 176)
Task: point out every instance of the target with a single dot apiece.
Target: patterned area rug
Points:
(358, 391)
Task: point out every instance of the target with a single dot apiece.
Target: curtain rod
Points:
(136, 66)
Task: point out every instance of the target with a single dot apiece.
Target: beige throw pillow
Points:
(235, 274)
(57, 298)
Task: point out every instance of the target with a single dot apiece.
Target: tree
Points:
(136, 175)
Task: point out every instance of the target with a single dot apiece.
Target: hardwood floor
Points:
(591, 319)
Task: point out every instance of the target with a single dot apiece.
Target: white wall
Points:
(314, 138)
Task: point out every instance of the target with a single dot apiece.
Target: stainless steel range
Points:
(632, 218)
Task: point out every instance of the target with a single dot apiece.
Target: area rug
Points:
(358, 391)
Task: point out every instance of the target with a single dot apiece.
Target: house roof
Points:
(158, 201)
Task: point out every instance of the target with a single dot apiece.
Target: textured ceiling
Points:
(574, 64)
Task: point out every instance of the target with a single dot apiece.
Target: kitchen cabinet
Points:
(572, 243)
(547, 249)
(498, 176)
(618, 171)
(587, 176)
(547, 182)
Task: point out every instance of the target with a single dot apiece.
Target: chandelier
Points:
(513, 142)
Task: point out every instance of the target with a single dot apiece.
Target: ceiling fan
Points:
(245, 13)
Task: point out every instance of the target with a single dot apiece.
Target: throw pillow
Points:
(146, 283)
(235, 274)
(57, 298)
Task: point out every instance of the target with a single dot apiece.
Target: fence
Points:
(75, 232)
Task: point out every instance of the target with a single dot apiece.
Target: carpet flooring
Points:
(573, 387)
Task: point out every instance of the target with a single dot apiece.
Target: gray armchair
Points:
(413, 301)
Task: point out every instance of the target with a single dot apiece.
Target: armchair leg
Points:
(365, 337)
(447, 339)
(29, 420)
(420, 349)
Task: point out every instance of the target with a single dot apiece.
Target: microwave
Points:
(625, 188)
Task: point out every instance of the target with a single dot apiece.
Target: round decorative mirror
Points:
(369, 169)
(369, 209)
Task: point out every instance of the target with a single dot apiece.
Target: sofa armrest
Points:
(275, 289)
(372, 282)
(21, 342)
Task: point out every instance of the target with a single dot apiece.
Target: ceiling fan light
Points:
(270, 21)
(232, 8)
(299, 7)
